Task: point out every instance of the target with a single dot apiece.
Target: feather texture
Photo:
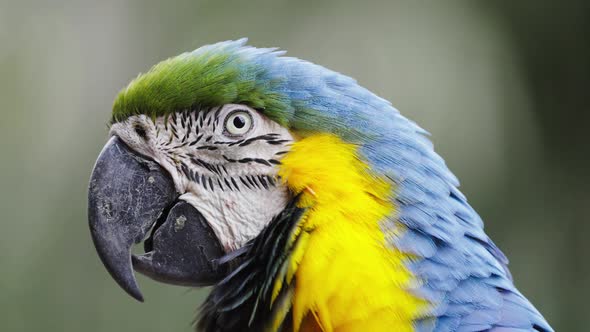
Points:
(462, 274)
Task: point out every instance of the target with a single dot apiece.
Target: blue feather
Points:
(462, 273)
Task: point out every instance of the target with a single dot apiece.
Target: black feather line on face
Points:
(227, 184)
(242, 300)
(263, 181)
(245, 183)
(235, 183)
(251, 181)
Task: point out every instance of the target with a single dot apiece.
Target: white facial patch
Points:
(224, 162)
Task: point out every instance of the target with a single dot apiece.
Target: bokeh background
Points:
(502, 86)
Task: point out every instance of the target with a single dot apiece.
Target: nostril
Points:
(140, 131)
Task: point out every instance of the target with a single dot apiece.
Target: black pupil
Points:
(239, 122)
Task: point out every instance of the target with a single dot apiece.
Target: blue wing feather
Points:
(465, 274)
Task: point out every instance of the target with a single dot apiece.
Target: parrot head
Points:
(291, 189)
(193, 160)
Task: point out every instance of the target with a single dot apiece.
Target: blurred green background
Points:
(503, 87)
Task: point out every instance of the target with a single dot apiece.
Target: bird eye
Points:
(238, 123)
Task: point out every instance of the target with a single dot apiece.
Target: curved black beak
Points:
(128, 196)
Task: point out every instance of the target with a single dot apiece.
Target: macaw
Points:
(307, 202)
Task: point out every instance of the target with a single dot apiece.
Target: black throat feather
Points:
(242, 300)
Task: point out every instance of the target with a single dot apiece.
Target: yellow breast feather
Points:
(347, 278)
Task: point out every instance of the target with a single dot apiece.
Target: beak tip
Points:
(128, 282)
(136, 294)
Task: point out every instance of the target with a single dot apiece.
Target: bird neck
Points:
(325, 262)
